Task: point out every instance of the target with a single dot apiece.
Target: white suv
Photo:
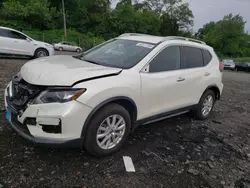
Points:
(13, 42)
(97, 98)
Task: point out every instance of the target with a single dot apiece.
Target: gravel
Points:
(178, 152)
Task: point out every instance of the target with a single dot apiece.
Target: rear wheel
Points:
(40, 52)
(108, 130)
(78, 50)
(205, 105)
(60, 49)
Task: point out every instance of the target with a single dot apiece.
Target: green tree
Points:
(209, 27)
(36, 13)
(175, 15)
(227, 36)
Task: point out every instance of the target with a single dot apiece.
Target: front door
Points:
(163, 84)
(19, 43)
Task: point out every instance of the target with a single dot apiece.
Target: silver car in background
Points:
(228, 64)
(67, 46)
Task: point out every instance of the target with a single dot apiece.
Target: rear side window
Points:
(191, 57)
(206, 56)
(3, 33)
(167, 60)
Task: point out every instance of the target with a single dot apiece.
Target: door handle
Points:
(180, 79)
(207, 74)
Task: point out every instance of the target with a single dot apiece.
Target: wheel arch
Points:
(126, 102)
(215, 89)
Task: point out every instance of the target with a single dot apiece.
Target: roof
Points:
(8, 28)
(142, 38)
(158, 39)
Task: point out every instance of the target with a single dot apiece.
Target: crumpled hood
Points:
(62, 71)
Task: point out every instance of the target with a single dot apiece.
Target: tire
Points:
(78, 50)
(60, 49)
(198, 112)
(92, 144)
(41, 52)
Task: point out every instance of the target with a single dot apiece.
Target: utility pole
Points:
(64, 21)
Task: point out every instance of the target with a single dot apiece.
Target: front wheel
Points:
(40, 52)
(78, 50)
(108, 130)
(205, 105)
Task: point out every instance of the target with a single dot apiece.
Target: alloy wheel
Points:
(207, 105)
(111, 132)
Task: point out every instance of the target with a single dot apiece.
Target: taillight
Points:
(221, 67)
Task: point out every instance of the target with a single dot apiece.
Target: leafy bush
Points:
(238, 60)
(242, 59)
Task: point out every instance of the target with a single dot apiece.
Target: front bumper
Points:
(70, 116)
(229, 67)
(74, 143)
(51, 51)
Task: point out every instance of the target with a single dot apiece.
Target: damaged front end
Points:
(20, 93)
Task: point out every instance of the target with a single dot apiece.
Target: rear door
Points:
(67, 46)
(195, 72)
(162, 83)
(72, 47)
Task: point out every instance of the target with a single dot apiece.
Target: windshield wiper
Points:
(90, 61)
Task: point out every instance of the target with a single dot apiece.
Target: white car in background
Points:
(228, 64)
(13, 42)
(67, 46)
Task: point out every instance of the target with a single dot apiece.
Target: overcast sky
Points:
(213, 10)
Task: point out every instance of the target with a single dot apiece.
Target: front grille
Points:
(19, 125)
(22, 93)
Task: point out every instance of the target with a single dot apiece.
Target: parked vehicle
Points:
(13, 42)
(99, 97)
(243, 67)
(228, 64)
(67, 46)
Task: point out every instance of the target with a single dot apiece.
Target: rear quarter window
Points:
(206, 56)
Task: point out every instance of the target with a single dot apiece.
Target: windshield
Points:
(118, 53)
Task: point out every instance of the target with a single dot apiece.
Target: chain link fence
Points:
(56, 36)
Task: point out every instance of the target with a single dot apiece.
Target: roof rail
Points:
(133, 34)
(182, 38)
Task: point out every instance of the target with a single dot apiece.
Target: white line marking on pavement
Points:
(128, 164)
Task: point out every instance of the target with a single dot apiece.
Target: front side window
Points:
(118, 53)
(191, 57)
(167, 60)
(16, 35)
